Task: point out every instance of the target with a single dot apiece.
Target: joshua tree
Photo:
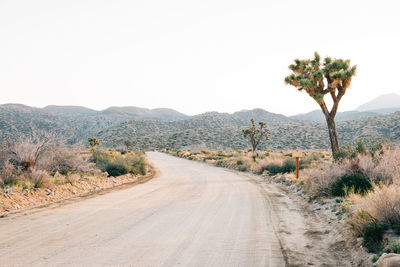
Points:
(93, 142)
(127, 144)
(255, 135)
(332, 76)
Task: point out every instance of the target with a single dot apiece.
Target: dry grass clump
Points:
(382, 206)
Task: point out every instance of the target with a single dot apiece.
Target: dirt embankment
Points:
(15, 199)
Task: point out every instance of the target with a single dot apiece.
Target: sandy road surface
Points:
(192, 214)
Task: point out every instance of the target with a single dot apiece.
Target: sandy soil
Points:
(192, 214)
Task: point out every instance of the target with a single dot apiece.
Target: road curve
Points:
(192, 214)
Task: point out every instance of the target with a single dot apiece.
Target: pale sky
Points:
(192, 56)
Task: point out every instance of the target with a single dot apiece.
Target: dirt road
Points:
(192, 214)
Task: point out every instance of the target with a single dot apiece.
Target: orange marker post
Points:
(297, 155)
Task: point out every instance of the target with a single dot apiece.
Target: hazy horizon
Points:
(193, 57)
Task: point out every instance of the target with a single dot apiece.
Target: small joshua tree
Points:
(332, 76)
(255, 135)
(93, 142)
(127, 144)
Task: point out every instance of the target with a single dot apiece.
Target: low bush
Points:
(395, 247)
(373, 236)
(116, 164)
(356, 182)
(289, 165)
(273, 168)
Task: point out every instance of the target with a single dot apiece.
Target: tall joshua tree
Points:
(332, 77)
(255, 135)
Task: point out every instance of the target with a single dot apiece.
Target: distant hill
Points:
(152, 129)
(223, 131)
(383, 102)
(73, 124)
(136, 113)
(318, 116)
(382, 105)
(69, 111)
(22, 121)
(118, 114)
(207, 123)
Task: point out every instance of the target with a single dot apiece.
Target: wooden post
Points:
(297, 154)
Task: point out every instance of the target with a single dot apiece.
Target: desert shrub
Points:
(64, 161)
(116, 164)
(219, 163)
(289, 165)
(239, 162)
(359, 220)
(273, 168)
(353, 181)
(317, 182)
(243, 168)
(374, 148)
(8, 174)
(388, 167)
(25, 153)
(373, 236)
(345, 152)
(39, 178)
(395, 247)
(383, 204)
(116, 169)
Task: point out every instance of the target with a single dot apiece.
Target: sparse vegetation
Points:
(38, 163)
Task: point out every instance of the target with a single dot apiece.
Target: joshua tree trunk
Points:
(330, 121)
(333, 136)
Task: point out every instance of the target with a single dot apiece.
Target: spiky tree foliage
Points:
(93, 142)
(319, 78)
(255, 135)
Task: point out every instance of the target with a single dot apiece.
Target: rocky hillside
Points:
(22, 121)
(72, 124)
(318, 116)
(223, 131)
